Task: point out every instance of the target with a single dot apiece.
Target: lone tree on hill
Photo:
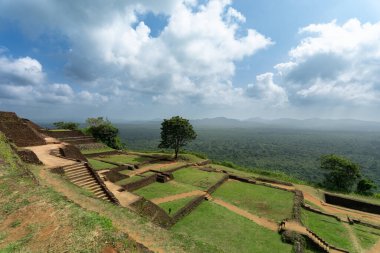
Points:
(176, 133)
(342, 175)
(103, 130)
(66, 125)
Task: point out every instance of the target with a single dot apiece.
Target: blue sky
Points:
(129, 60)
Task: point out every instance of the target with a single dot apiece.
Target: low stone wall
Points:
(157, 215)
(297, 206)
(352, 204)
(72, 152)
(242, 179)
(365, 223)
(311, 209)
(273, 181)
(218, 184)
(141, 183)
(178, 168)
(28, 156)
(115, 152)
(187, 209)
(114, 176)
(64, 134)
(203, 163)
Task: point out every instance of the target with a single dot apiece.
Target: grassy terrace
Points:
(164, 166)
(159, 190)
(367, 236)
(197, 178)
(129, 180)
(329, 229)
(96, 150)
(228, 232)
(175, 205)
(98, 165)
(260, 200)
(128, 159)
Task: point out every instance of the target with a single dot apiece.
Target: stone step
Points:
(83, 179)
(91, 186)
(84, 184)
(74, 167)
(79, 173)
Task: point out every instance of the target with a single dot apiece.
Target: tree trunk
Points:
(176, 153)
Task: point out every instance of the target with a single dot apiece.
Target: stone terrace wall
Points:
(352, 204)
(28, 156)
(141, 183)
(218, 184)
(64, 134)
(72, 152)
(114, 176)
(19, 132)
(147, 208)
(297, 206)
(187, 209)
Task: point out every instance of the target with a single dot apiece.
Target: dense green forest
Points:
(293, 151)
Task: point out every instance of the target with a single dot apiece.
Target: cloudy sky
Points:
(130, 59)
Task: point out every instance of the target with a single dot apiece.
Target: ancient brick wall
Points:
(352, 204)
(218, 184)
(141, 183)
(28, 156)
(187, 209)
(114, 176)
(72, 152)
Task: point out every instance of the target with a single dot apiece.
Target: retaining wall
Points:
(114, 176)
(273, 181)
(147, 208)
(141, 183)
(72, 152)
(311, 209)
(28, 156)
(297, 206)
(352, 204)
(187, 209)
(218, 184)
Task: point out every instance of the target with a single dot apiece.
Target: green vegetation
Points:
(367, 236)
(342, 173)
(98, 165)
(260, 200)
(159, 190)
(129, 180)
(103, 130)
(197, 178)
(329, 229)
(228, 232)
(176, 133)
(66, 125)
(175, 205)
(126, 159)
(96, 150)
(366, 187)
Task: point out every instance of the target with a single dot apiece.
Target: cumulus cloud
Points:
(337, 64)
(192, 59)
(24, 79)
(267, 91)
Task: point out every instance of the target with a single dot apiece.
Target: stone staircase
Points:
(83, 176)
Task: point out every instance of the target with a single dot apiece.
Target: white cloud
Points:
(335, 64)
(267, 91)
(21, 71)
(193, 58)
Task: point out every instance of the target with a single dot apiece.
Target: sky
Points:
(139, 60)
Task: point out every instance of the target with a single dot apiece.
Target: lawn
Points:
(159, 190)
(126, 159)
(259, 200)
(129, 180)
(163, 166)
(367, 236)
(228, 232)
(329, 229)
(98, 165)
(96, 150)
(197, 178)
(175, 205)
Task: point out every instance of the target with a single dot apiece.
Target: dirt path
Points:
(155, 238)
(178, 196)
(258, 220)
(43, 153)
(125, 198)
(353, 238)
(375, 248)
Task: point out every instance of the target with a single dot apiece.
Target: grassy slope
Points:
(367, 236)
(34, 218)
(98, 165)
(228, 231)
(96, 150)
(129, 159)
(260, 200)
(197, 178)
(329, 229)
(159, 190)
(175, 205)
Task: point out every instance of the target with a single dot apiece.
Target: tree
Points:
(366, 187)
(66, 125)
(176, 133)
(103, 130)
(342, 175)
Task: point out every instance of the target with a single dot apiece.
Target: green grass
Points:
(175, 205)
(96, 150)
(197, 178)
(98, 165)
(159, 190)
(125, 159)
(59, 130)
(228, 231)
(329, 229)
(259, 200)
(129, 180)
(367, 236)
